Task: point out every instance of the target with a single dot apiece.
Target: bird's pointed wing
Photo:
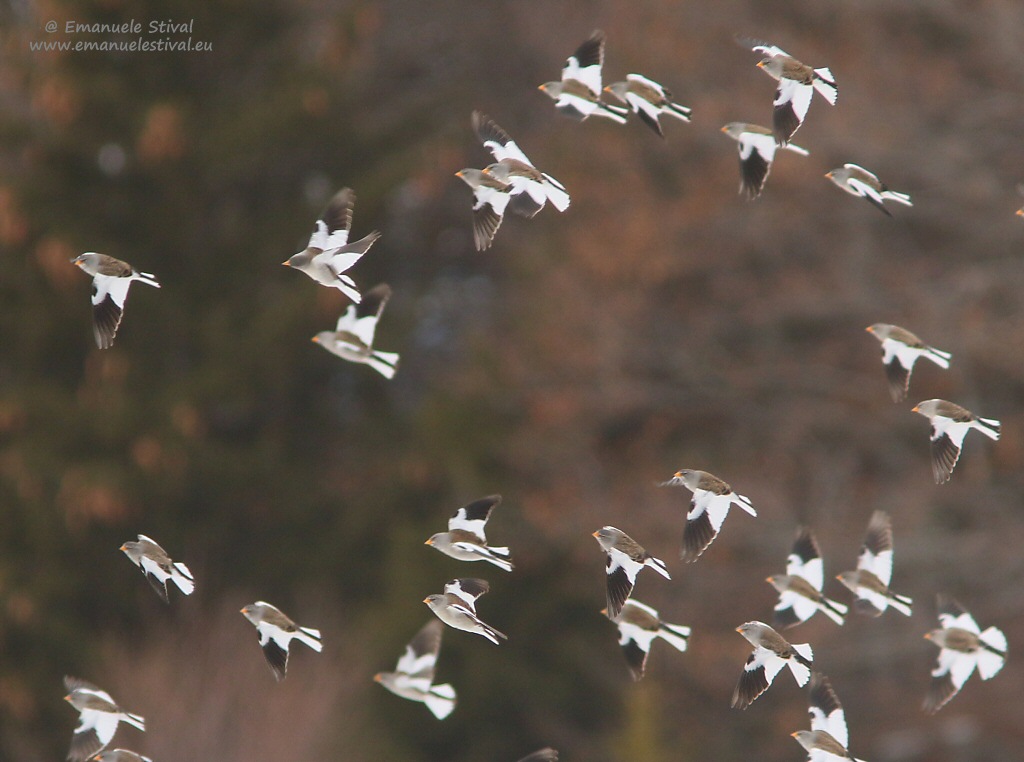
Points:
(472, 517)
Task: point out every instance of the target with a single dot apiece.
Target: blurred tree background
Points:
(662, 322)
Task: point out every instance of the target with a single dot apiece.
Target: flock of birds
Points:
(513, 183)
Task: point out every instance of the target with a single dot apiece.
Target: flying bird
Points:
(111, 279)
(625, 558)
(542, 755)
(490, 199)
(870, 581)
(98, 718)
(530, 189)
(120, 755)
(456, 607)
(962, 648)
(708, 509)
(757, 149)
(857, 181)
(648, 100)
(578, 94)
(771, 653)
(276, 632)
(158, 567)
(797, 83)
(950, 424)
(352, 338)
(413, 677)
(900, 350)
(328, 255)
(639, 625)
(465, 539)
(828, 737)
(800, 587)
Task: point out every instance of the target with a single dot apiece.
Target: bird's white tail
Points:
(440, 700)
(556, 193)
(183, 579)
(825, 84)
(385, 363)
(992, 656)
(148, 278)
(901, 603)
(744, 502)
(134, 719)
(899, 198)
(501, 563)
(675, 634)
(682, 112)
(658, 565)
(801, 672)
(310, 637)
(938, 357)
(834, 610)
(989, 427)
(796, 149)
(615, 113)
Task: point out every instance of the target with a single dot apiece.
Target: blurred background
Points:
(662, 322)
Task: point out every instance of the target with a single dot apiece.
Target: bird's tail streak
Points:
(134, 719)
(675, 634)
(899, 198)
(183, 579)
(989, 427)
(796, 149)
(385, 363)
(825, 84)
(938, 357)
(310, 637)
(744, 502)
(658, 565)
(556, 193)
(901, 603)
(148, 278)
(503, 552)
(834, 610)
(440, 700)
(992, 656)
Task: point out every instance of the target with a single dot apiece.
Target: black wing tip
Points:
(277, 658)
(698, 535)
(636, 659)
(752, 684)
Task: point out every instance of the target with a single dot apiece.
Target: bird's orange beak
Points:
(243, 610)
(914, 409)
(595, 534)
(123, 547)
(678, 475)
(794, 735)
(459, 173)
(429, 542)
(1019, 212)
(828, 174)
(870, 329)
(739, 629)
(542, 87)
(426, 600)
(68, 697)
(315, 339)
(286, 263)
(769, 579)
(760, 64)
(604, 611)
(376, 678)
